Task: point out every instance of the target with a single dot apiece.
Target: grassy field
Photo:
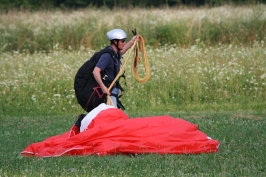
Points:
(215, 81)
(241, 150)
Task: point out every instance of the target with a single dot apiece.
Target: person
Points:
(111, 67)
(117, 38)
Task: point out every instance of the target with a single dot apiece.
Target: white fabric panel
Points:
(92, 114)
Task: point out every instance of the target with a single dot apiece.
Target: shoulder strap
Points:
(107, 50)
(95, 58)
(112, 53)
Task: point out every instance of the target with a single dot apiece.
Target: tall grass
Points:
(41, 31)
(202, 79)
(223, 78)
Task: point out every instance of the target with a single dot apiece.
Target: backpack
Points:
(88, 93)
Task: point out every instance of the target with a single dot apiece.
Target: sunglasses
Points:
(123, 40)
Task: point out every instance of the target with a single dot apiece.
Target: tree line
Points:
(75, 4)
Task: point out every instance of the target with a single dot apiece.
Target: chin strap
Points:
(116, 45)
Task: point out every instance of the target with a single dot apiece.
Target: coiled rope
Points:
(137, 60)
(139, 47)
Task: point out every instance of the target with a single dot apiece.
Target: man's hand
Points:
(105, 90)
(135, 38)
(129, 44)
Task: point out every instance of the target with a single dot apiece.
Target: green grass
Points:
(241, 151)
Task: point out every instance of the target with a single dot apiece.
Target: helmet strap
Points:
(116, 44)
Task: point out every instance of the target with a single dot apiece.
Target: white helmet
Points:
(116, 34)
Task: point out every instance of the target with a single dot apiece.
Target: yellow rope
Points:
(137, 60)
(135, 63)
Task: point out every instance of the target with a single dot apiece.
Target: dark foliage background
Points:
(74, 4)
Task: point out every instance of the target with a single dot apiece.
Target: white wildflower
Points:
(263, 76)
(57, 95)
(33, 97)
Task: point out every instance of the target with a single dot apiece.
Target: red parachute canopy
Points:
(113, 132)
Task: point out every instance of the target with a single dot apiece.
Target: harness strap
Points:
(119, 103)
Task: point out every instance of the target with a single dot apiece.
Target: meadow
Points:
(208, 66)
(224, 78)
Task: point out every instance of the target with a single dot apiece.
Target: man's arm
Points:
(129, 44)
(97, 75)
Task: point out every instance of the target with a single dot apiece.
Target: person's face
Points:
(121, 43)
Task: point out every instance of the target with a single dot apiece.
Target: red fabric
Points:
(113, 132)
(74, 130)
